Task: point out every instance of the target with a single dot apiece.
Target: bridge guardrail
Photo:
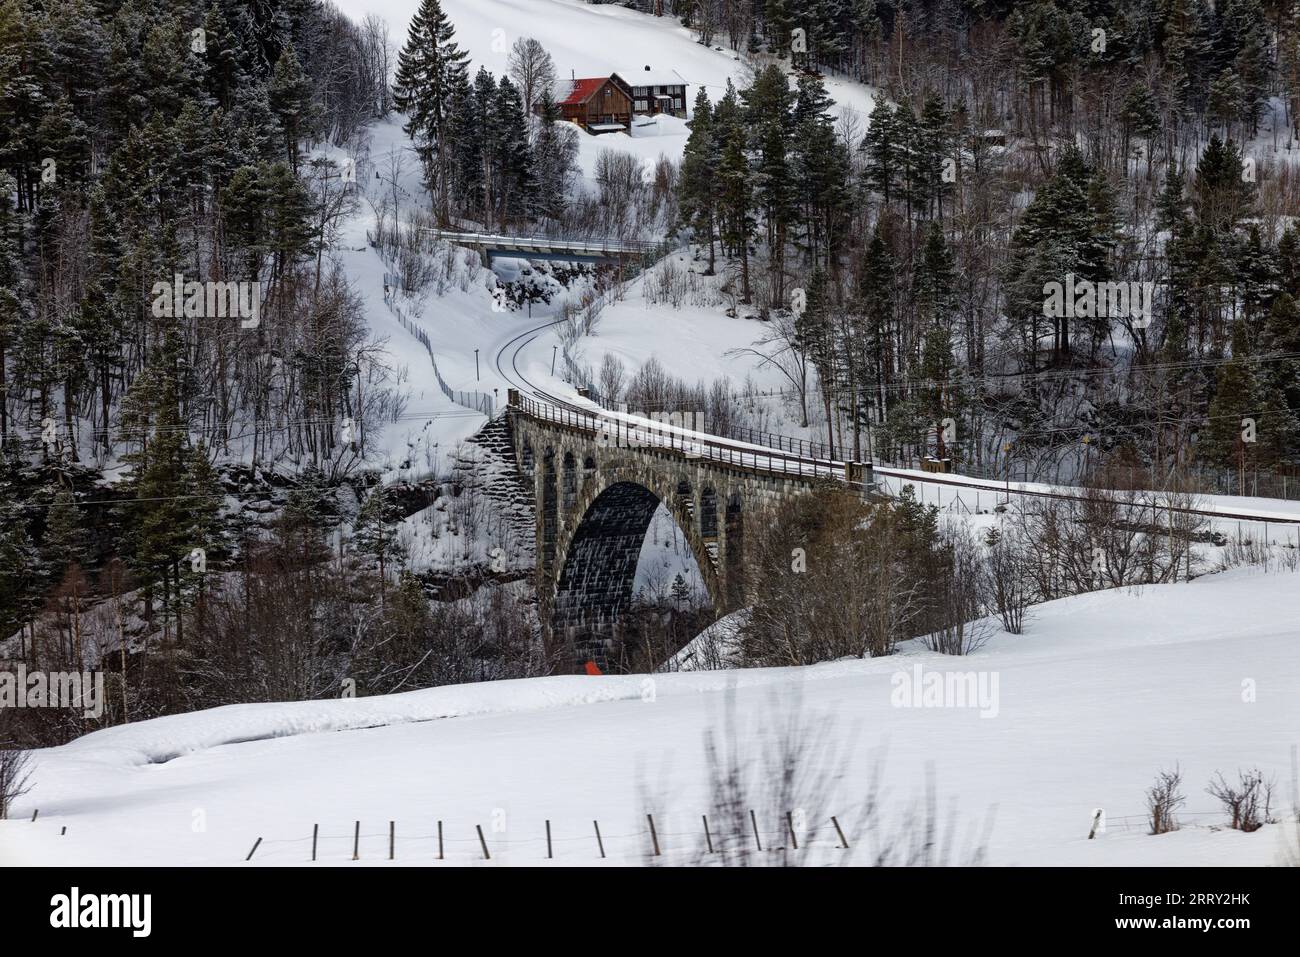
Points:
(576, 246)
(776, 460)
(623, 433)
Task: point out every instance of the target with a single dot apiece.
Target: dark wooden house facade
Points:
(601, 104)
(655, 92)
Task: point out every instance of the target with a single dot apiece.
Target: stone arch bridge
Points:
(598, 478)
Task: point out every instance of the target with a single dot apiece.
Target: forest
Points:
(900, 265)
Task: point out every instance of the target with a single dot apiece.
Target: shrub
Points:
(1165, 797)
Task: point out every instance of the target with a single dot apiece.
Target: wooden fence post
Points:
(549, 855)
(708, 838)
(654, 837)
(754, 821)
(356, 842)
(840, 831)
(254, 850)
(315, 833)
(440, 841)
(599, 842)
(483, 842)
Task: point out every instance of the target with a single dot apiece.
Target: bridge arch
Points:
(596, 559)
(595, 494)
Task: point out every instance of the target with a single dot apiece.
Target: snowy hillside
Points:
(629, 42)
(1102, 691)
(693, 336)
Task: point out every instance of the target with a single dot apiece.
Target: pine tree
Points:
(290, 216)
(203, 531)
(1171, 206)
(934, 143)
(1221, 194)
(815, 334)
(156, 530)
(1244, 34)
(299, 528)
(67, 541)
(883, 149)
(879, 297)
(426, 69)
(20, 567)
(222, 56)
(770, 121)
(170, 71)
(513, 163)
(12, 295)
(821, 170)
(736, 220)
(63, 137)
(1187, 51)
(1243, 408)
(465, 145)
(258, 137)
(1288, 262)
(291, 100)
(375, 533)
(555, 152)
(680, 592)
(1066, 230)
(698, 185)
(935, 279)
(1140, 115)
(489, 132)
(941, 395)
(24, 55)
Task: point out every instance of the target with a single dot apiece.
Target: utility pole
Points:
(1006, 453)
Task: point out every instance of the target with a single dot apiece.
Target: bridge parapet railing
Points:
(577, 246)
(626, 432)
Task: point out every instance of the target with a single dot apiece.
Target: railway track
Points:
(639, 431)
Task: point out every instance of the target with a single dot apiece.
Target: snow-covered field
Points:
(1101, 692)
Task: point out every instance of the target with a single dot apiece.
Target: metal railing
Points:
(580, 247)
(621, 432)
(787, 459)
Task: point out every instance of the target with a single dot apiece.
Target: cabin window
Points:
(640, 105)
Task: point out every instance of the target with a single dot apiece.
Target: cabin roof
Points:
(652, 78)
(582, 90)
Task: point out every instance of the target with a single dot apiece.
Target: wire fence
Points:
(569, 842)
(478, 401)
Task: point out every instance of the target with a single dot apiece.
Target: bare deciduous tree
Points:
(1009, 578)
(1248, 802)
(532, 69)
(15, 774)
